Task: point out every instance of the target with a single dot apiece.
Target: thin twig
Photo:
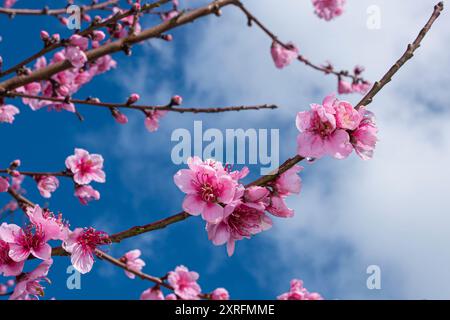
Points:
(93, 102)
(118, 45)
(325, 69)
(409, 53)
(264, 180)
(86, 32)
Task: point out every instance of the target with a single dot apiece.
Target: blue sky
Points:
(351, 214)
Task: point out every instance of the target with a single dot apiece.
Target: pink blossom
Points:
(8, 267)
(207, 189)
(29, 284)
(53, 226)
(86, 167)
(98, 35)
(46, 185)
(364, 138)
(319, 134)
(23, 242)
(9, 3)
(81, 244)
(76, 56)
(298, 292)
(347, 117)
(86, 194)
(362, 87)
(243, 218)
(184, 283)
(220, 294)
(7, 113)
(133, 262)
(328, 9)
(344, 87)
(283, 56)
(79, 41)
(279, 208)
(152, 119)
(4, 184)
(152, 294)
(289, 182)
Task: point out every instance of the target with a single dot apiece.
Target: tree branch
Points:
(118, 45)
(409, 53)
(94, 26)
(93, 102)
(264, 180)
(324, 69)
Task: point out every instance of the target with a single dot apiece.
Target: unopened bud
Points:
(133, 98)
(44, 35)
(176, 101)
(15, 164)
(167, 37)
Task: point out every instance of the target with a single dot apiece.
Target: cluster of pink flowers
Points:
(17, 244)
(357, 86)
(86, 168)
(328, 9)
(283, 56)
(66, 83)
(185, 287)
(346, 87)
(233, 212)
(335, 128)
(298, 292)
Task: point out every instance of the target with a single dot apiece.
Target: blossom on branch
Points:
(25, 242)
(328, 9)
(298, 292)
(283, 56)
(326, 130)
(184, 283)
(81, 244)
(46, 185)
(208, 186)
(86, 194)
(86, 167)
(132, 260)
(29, 286)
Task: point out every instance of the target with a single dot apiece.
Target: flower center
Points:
(207, 193)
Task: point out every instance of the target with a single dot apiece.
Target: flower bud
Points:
(44, 35)
(176, 101)
(133, 98)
